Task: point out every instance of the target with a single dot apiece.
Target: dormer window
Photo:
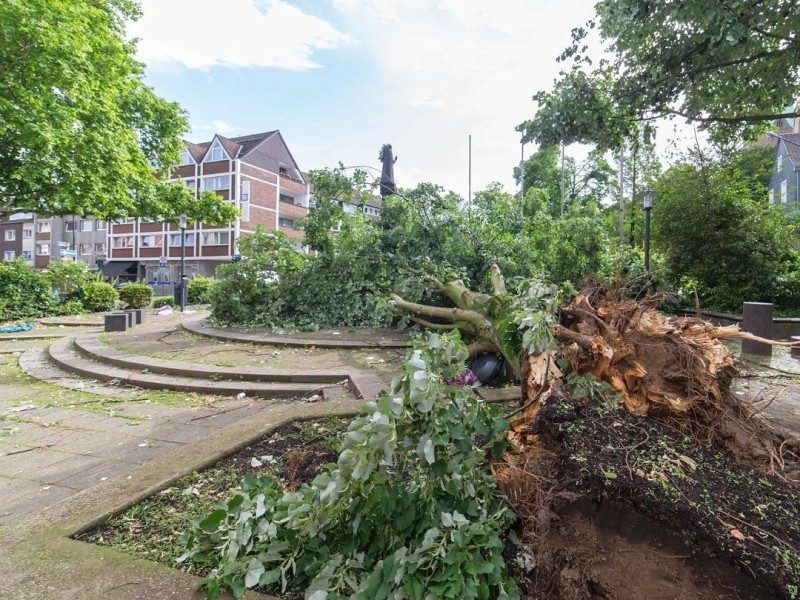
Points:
(186, 158)
(217, 152)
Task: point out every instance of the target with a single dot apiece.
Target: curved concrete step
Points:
(363, 383)
(199, 327)
(66, 357)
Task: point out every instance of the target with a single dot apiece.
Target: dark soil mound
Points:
(636, 510)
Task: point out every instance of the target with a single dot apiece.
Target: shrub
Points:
(24, 292)
(160, 301)
(71, 307)
(136, 295)
(99, 296)
(199, 288)
(69, 278)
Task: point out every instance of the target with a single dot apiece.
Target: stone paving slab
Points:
(37, 500)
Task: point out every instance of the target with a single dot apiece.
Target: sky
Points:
(339, 78)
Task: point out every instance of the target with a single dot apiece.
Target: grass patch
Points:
(294, 454)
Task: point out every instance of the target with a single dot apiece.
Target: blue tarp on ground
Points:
(16, 328)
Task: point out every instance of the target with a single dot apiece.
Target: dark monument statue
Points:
(387, 173)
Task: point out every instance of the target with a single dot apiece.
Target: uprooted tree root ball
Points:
(615, 505)
(675, 370)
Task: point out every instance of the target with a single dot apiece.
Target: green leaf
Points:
(211, 523)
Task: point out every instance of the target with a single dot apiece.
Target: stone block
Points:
(116, 322)
(757, 319)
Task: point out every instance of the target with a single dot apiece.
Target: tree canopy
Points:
(731, 66)
(80, 132)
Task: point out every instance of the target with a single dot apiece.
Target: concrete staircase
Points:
(89, 357)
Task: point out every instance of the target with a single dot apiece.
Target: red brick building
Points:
(257, 173)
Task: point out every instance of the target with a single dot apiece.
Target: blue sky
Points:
(341, 77)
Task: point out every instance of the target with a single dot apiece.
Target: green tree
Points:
(731, 66)
(80, 132)
(713, 229)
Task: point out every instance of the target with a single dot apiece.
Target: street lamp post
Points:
(182, 288)
(648, 205)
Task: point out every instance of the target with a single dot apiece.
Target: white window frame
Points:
(86, 246)
(9, 255)
(42, 249)
(11, 235)
(124, 238)
(175, 240)
(101, 225)
(784, 192)
(69, 226)
(27, 233)
(216, 238)
(771, 195)
(216, 152)
(43, 227)
(99, 248)
(85, 223)
(26, 254)
(215, 183)
(149, 235)
(187, 158)
(779, 165)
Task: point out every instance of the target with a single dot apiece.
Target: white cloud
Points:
(200, 34)
(426, 100)
(479, 63)
(206, 130)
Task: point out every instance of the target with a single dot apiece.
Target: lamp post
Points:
(182, 288)
(648, 205)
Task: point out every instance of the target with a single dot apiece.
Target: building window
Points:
(779, 166)
(286, 223)
(186, 158)
(9, 256)
(286, 199)
(783, 192)
(86, 249)
(42, 249)
(122, 242)
(192, 183)
(175, 239)
(221, 182)
(771, 195)
(69, 226)
(86, 226)
(216, 238)
(217, 152)
(11, 235)
(99, 248)
(27, 233)
(150, 241)
(26, 254)
(101, 226)
(43, 227)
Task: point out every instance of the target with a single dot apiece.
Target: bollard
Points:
(138, 315)
(757, 319)
(116, 322)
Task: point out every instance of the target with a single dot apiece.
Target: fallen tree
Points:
(675, 370)
(499, 322)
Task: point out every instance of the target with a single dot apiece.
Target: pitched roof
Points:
(265, 150)
(791, 142)
(196, 150)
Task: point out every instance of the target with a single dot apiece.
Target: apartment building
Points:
(16, 237)
(257, 173)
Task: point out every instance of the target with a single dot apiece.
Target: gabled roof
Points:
(791, 142)
(197, 151)
(265, 150)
